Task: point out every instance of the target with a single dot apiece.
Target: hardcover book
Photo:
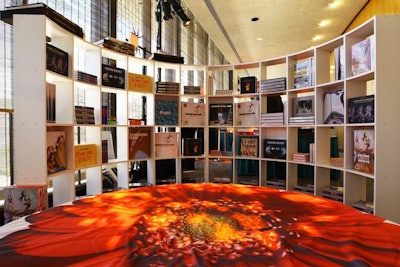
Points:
(85, 155)
(275, 148)
(50, 102)
(56, 152)
(112, 76)
(362, 56)
(140, 83)
(192, 146)
(247, 113)
(221, 114)
(247, 146)
(248, 85)
(361, 109)
(166, 145)
(22, 200)
(139, 142)
(84, 115)
(364, 150)
(192, 113)
(166, 112)
(334, 107)
(304, 73)
(56, 60)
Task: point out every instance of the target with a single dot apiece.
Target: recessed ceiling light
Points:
(334, 4)
(259, 39)
(255, 19)
(323, 23)
(316, 37)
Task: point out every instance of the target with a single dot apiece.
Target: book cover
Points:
(56, 152)
(50, 102)
(275, 148)
(56, 60)
(247, 146)
(192, 146)
(361, 109)
(304, 73)
(22, 200)
(112, 76)
(84, 155)
(362, 56)
(339, 62)
(139, 142)
(140, 83)
(84, 115)
(166, 112)
(364, 150)
(192, 114)
(248, 85)
(221, 114)
(334, 107)
(247, 113)
(166, 145)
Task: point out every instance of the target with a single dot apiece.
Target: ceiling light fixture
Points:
(334, 4)
(316, 38)
(323, 23)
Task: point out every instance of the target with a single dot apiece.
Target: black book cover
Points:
(275, 148)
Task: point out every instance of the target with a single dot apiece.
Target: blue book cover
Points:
(166, 112)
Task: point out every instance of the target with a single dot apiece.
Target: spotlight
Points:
(166, 7)
(180, 12)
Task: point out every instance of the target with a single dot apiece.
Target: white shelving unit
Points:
(30, 127)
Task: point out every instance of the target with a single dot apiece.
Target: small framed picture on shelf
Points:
(303, 106)
(248, 85)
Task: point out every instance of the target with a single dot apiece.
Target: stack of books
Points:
(278, 183)
(301, 157)
(167, 87)
(272, 118)
(365, 206)
(333, 192)
(306, 120)
(117, 45)
(85, 77)
(223, 92)
(305, 188)
(191, 90)
(273, 85)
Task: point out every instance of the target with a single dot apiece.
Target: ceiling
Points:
(284, 26)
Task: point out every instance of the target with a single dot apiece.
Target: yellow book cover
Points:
(140, 83)
(85, 155)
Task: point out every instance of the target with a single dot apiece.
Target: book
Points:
(248, 85)
(166, 145)
(334, 107)
(85, 77)
(365, 206)
(166, 112)
(247, 146)
(140, 83)
(192, 146)
(56, 151)
(84, 115)
(364, 150)
(56, 60)
(221, 114)
(362, 56)
(85, 155)
(361, 109)
(139, 142)
(304, 73)
(50, 102)
(112, 76)
(247, 113)
(22, 200)
(192, 114)
(339, 55)
(275, 148)
(41, 9)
